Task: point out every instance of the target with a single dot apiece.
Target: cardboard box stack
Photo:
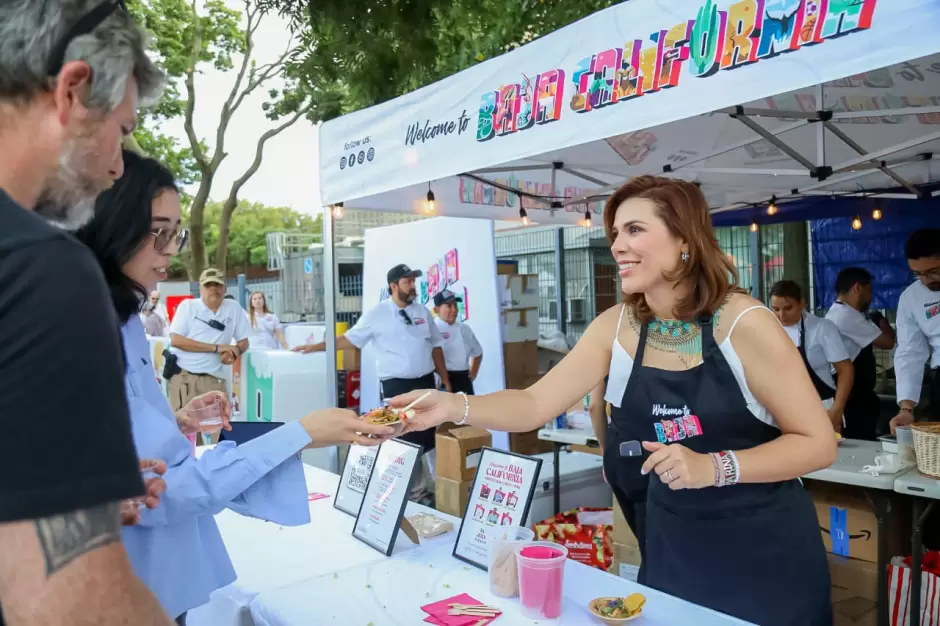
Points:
(458, 455)
(845, 513)
(625, 547)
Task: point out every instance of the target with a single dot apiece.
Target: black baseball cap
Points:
(445, 297)
(401, 271)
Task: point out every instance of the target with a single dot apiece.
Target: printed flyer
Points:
(502, 492)
(386, 495)
(355, 478)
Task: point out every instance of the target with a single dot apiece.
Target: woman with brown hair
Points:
(706, 380)
(266, 331)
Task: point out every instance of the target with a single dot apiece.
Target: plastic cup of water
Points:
(541, 579)
(503, 570)
(209, 415)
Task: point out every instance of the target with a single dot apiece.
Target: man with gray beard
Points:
(71, 75)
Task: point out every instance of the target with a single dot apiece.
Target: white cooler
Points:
(282, 386)
(581, 485)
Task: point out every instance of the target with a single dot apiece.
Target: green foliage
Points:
(363, 53)
(251, 222)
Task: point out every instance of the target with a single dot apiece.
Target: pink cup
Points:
(541, 568)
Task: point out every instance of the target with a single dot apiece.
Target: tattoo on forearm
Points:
(64, 538)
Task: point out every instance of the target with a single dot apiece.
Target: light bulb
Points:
(524, 216)
(338, 211)
(876, 214)
(772, 209)
(753, 227)
(587, 223)
(430, 206)
(856, 223)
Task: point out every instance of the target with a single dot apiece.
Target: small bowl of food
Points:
(618, 610)
(839, 439)
(387, 416)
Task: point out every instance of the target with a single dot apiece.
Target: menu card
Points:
(386, 495)
(501, 495)
(355, 478)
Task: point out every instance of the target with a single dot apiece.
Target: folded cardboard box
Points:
(459, 449)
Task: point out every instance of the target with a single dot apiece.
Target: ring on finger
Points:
(668, 476)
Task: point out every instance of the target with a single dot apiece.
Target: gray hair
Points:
(30, 31)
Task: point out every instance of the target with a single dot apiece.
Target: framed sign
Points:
(502, 493)
(354, 478)
(383, 503)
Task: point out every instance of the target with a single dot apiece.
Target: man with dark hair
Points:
(71, 75)
(861, 335)
(919, 331)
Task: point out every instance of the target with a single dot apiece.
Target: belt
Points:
(199, 374)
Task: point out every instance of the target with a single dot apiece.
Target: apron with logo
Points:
(752, 550)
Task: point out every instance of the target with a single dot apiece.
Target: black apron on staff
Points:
(863, 407)
(460, 382)
(392, 387)
(751, 550)
(825, 391)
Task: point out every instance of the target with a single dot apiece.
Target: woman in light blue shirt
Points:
(177, 549)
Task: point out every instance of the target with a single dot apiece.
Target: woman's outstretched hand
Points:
(434, 410)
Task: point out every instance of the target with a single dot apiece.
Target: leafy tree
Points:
(370, 51)
(190, 35)
(247, 243)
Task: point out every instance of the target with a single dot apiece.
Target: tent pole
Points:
(560, 280)
(329, 306)
(820, 129)
(835, 130)
(873, 156)
(754, 243)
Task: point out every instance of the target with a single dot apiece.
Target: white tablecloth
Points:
(392, 591)
(853, 455)
(268, 556)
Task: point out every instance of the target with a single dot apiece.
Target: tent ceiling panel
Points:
(664, 103)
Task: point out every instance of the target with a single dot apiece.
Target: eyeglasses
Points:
(85, 25)
(404, 317)
(933, 272)
(163, 236)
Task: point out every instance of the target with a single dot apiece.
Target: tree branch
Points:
(194, 53)
(260, 75)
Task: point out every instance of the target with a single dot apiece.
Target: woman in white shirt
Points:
(820, 346)
(266, 332)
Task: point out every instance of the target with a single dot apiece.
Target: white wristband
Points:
(466, 408)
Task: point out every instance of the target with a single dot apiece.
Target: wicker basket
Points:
(927, 447)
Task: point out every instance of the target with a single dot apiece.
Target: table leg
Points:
(556, 487)
(881, 504)
(921, 511)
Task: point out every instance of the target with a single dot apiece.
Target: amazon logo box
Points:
(848, 524)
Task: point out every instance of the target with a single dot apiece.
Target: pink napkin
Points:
(316, 496)
(438, 612)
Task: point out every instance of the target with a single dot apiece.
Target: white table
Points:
(392, 592)
(267, 556)
(925, 492)
(562, 437)
(852, 456)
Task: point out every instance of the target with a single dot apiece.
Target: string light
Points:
(430, 206)
(876, 214)
(524, 216)
(856, 223)
(772, 207)
(338, 211)
(586, 222)
(753, 227)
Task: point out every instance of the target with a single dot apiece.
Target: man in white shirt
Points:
(860, 336)
(462, 352)
(919, 331)
(408, 353)
(201, 338)
(819, 344)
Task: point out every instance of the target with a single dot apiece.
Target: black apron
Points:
(624, 477)
(392, 387)
(752, 550)
(862, 408)
(825, 391)
(460, 381)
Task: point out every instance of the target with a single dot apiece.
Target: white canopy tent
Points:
(753, 99)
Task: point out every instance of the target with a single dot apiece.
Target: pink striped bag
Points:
(899, 593)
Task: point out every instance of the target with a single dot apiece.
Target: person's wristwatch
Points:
(216, 348)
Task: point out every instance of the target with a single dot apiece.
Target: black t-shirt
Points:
(65, 436)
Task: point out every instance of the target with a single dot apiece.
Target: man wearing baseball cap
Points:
(462, 352)
(201, 338)
(408, 353)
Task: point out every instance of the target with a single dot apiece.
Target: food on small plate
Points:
(617, 610)
(383, 416)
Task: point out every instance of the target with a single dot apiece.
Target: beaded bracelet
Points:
(466, 408)
(727, 469)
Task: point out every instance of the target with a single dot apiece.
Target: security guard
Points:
(461, 348)
(861, 335)
(408, 347)
(919, 331)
